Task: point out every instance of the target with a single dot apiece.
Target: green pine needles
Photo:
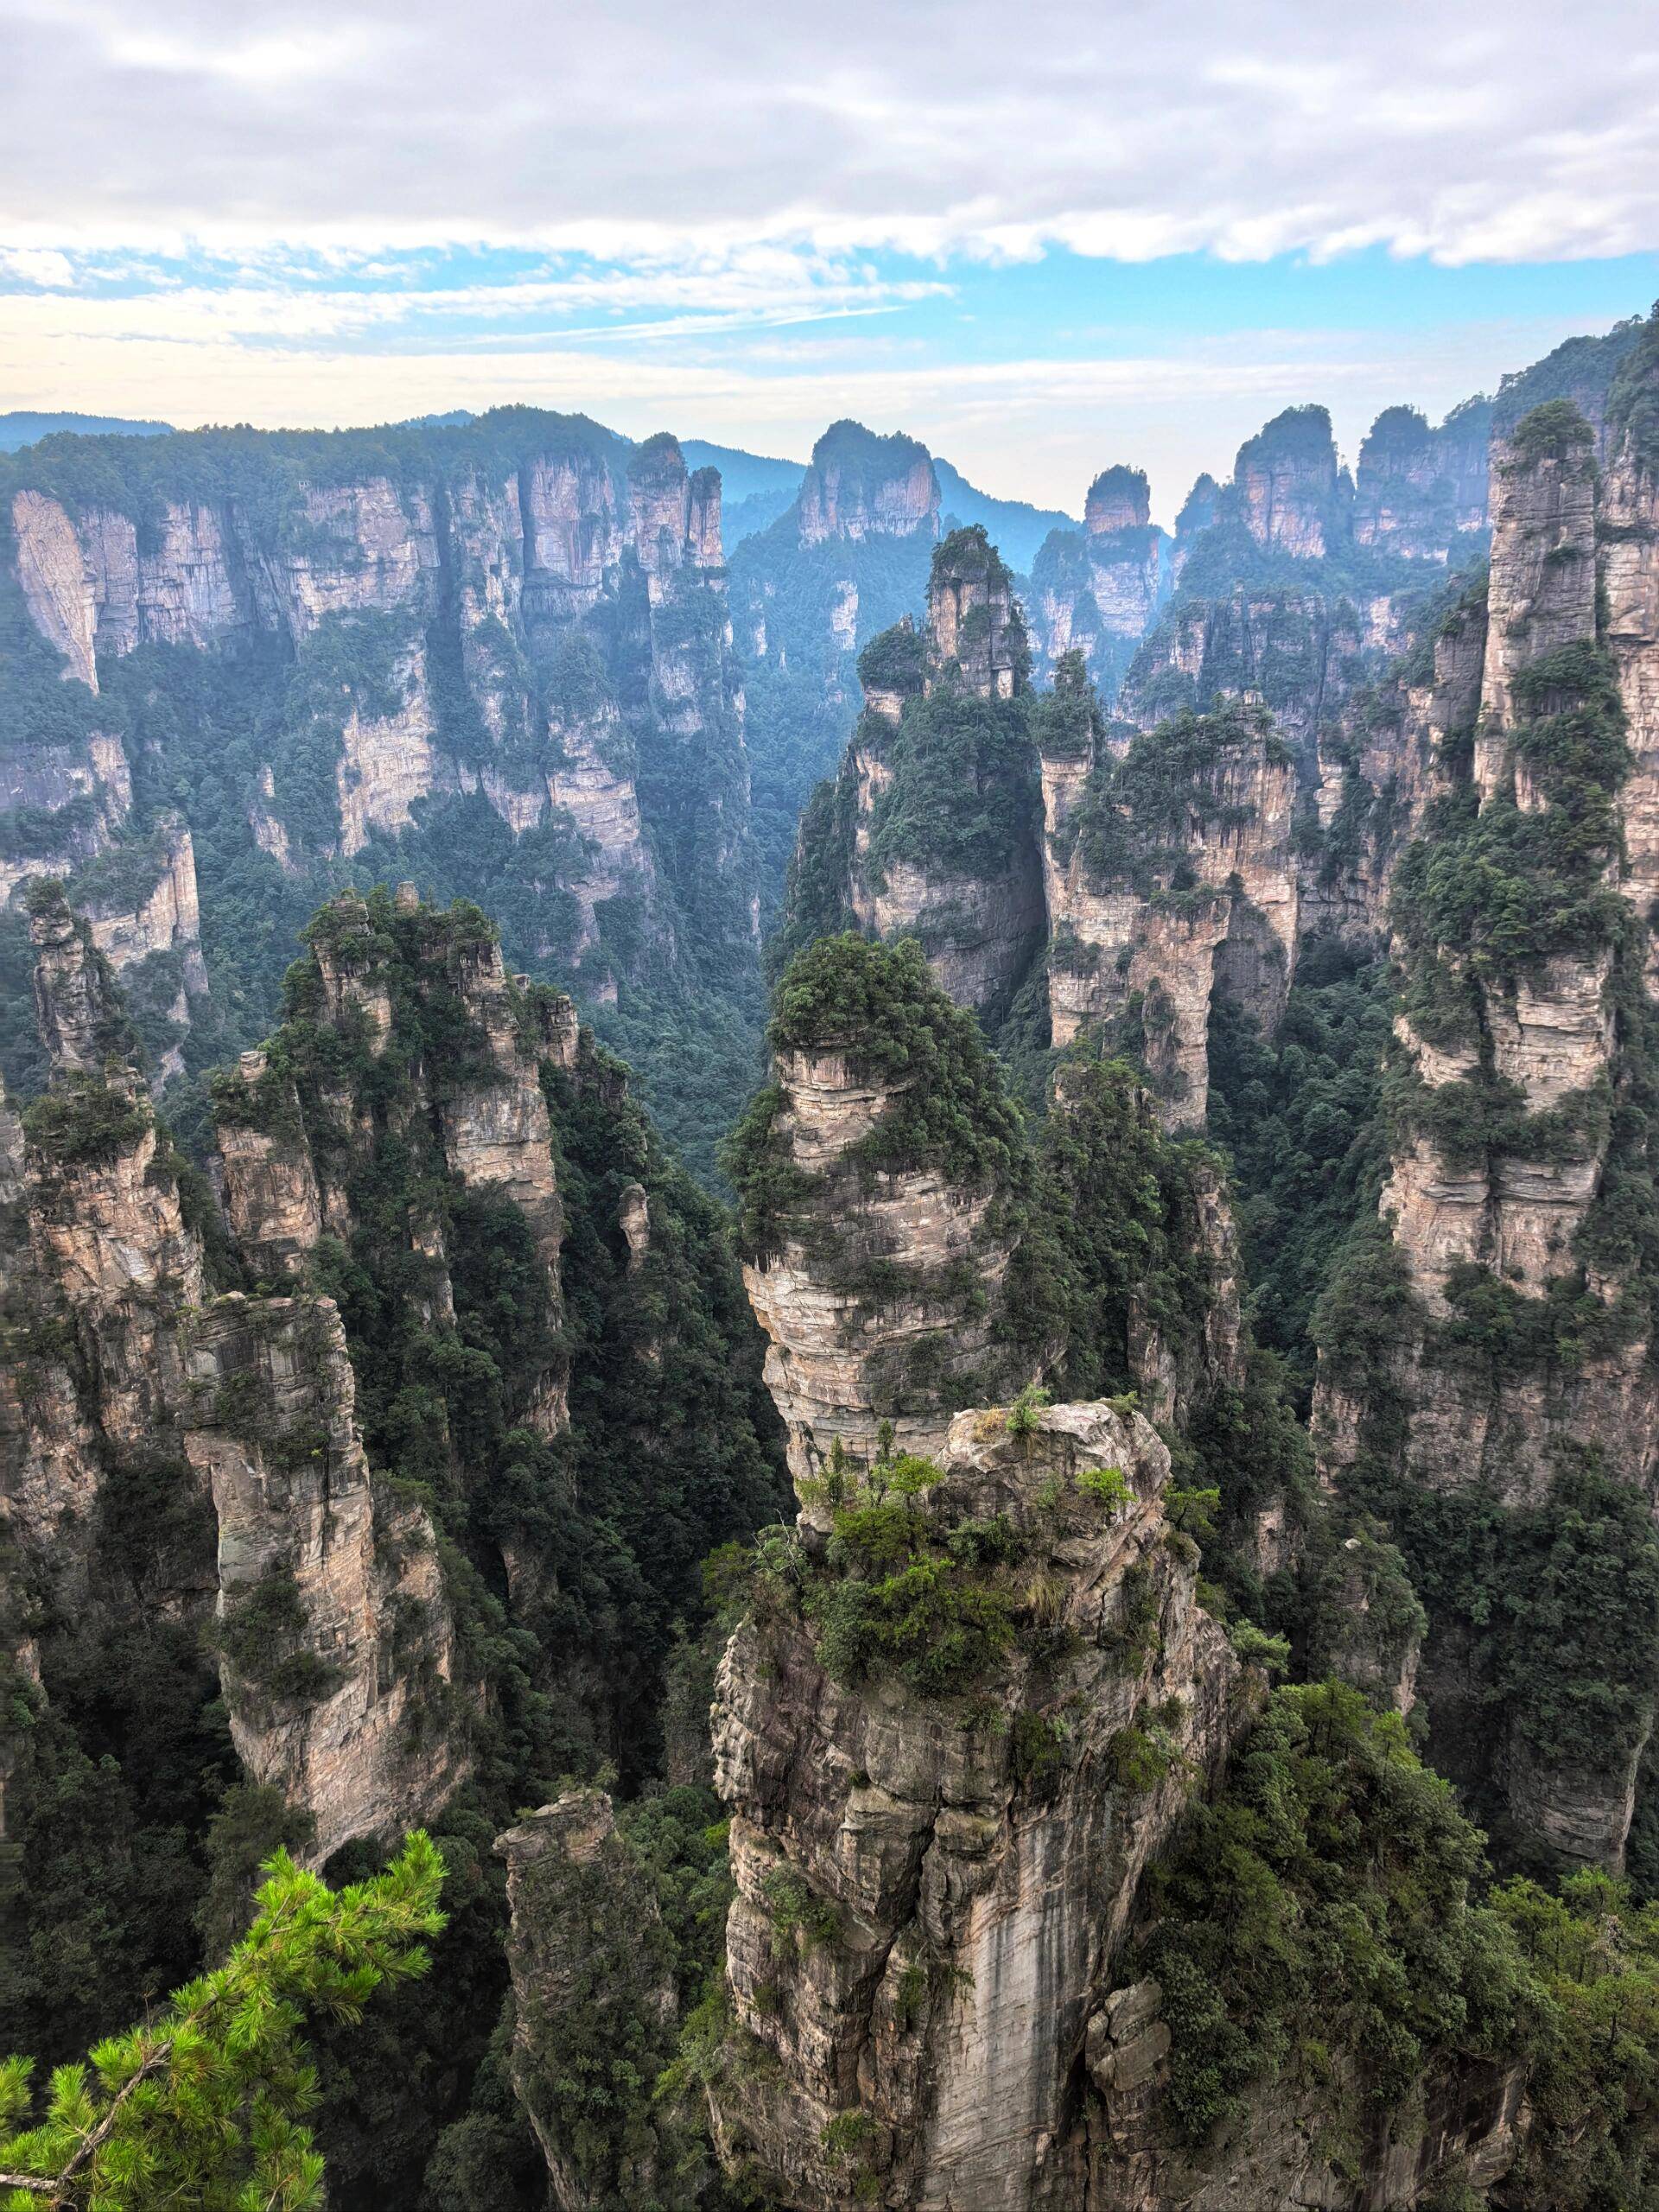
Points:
(205, 2105)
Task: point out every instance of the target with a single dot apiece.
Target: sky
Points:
(1041, 239)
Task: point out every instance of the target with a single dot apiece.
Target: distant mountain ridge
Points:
(1014, 527)
(24, 427)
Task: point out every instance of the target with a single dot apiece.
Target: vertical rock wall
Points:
(924, 1933)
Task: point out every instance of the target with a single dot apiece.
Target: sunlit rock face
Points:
(405, 637)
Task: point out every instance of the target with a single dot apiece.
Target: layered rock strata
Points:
(1169, 874)
(124, 1358)
(929, 2005)
(881, 1295)
(1627, 530)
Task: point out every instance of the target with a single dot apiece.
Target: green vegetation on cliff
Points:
(1139, 814)
(1323, 1931)
(962, 796)
(1316, 1925)
(660, 1346)
(876, 1005)
(1298, 1119)
(570, 1560)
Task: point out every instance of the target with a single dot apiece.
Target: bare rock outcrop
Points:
(388, 761)
(1628, 539)
(932, 1888)
(272, 1197)
(1421, 492)
(1542, 594)
(1099, 592)
(880, 1293)
(1299, 650)
(337, 1648)
(1169, 874)
(1383, 763)
(84, 785)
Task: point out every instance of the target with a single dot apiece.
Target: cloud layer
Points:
(1460, 130)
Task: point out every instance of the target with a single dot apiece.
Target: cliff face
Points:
(76, 798)
(862, 486)
(931, 1897)
(1508, 1151)
(965, 1728)
(531, 1299)
(485, 1121)
(337, 1643)
(126, 1359)
(321, 1473)
(1169, 876)
(1199, 511)
(880, 1287)
(1299, 650)
(1288, 488)
(588, 1949)
(1547, 1033)
(505, 647)
(1627, 527)
(1099, 593)
(693, 772)
(934, 829)
(1294, 585)
(1421, 492)
(1380, 764)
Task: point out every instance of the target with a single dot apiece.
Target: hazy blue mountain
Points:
(24, 427)
(1015, 529)
(743, 475)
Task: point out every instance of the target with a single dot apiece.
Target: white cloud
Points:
(1249, 127)
(202, 219)
(39, 264)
